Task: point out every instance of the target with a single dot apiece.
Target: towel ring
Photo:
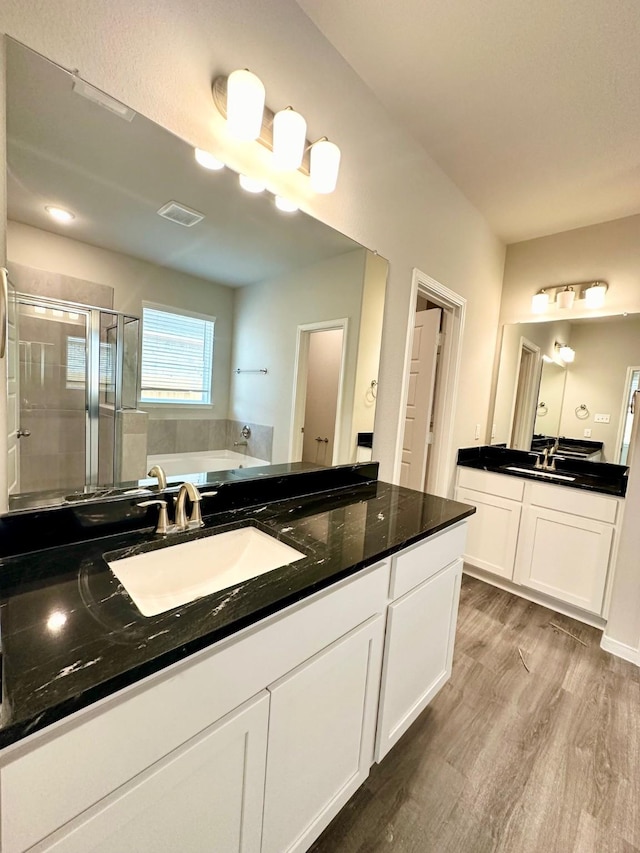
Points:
(582, 412)
(543, 409)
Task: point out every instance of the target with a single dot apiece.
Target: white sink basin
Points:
(168, 577)
(549, 474)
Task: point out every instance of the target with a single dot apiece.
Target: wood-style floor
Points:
(546, 761)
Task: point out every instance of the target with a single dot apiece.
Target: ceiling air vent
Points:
(180, 214)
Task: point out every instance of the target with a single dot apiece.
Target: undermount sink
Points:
(163, 578)
(538, 473)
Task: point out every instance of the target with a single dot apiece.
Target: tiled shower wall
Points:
(187, 436)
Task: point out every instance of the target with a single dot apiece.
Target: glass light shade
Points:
(594, 295)
(59, 214)
(245, 104)
(540, 302)
(565, 298)
(567, 354)
(251, 185)
(208, 161)
(285, 205)
(325, 163)
(289, 137)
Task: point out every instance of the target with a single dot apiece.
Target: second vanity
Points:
(549, 535)
(241, 721)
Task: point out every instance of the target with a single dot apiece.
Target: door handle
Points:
(23, 433)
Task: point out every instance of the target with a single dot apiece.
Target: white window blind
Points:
(177, 358)
(77, 363)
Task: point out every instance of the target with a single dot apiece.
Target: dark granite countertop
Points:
(600, 477)
(71, 635)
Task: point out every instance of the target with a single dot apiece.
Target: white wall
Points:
(160, 57)
(135, 281)
(609, 251)
(267, 316)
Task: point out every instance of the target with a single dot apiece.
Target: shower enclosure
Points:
(72, 371)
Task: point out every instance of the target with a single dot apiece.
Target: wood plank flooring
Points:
(507, 760)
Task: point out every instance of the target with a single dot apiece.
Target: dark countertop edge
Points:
(615, 491)
(14, 733)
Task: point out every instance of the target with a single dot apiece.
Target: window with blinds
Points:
(177, 358)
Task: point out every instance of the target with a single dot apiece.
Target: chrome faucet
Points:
(545, 458)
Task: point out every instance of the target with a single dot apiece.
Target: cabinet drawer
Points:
(500, 485)
(585, 504)
(425, 559)
(128, 733)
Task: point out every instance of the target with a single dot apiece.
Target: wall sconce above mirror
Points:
(564, 297)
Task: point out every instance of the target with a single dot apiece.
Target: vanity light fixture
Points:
(566, 297)
(283, 132)
(251, 185)
(594, 294)
(207, 160)
(245, 104)
(325, 163)
(540, 302)
(59, 214)
(289, 138)
(285, 205)
(565, 352)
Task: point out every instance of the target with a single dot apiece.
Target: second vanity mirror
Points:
(584, 403)
(260, 331)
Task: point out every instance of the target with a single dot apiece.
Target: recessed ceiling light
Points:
(251, 185)
(208, 161)
(60, 214)
(285, 205)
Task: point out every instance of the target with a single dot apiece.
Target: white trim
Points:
(300, 386)
(530, 393)
(454, 305)
(623, 412)
(620, 650)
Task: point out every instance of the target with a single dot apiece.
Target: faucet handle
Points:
(162, 527)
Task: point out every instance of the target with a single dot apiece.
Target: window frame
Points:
(177, 404)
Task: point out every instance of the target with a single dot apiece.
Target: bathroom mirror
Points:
(586, 400)
(294, 308)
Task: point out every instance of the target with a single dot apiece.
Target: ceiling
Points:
(65, 150)
(531, 108)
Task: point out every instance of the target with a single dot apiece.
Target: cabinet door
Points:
(321, 737)
(418, 653)
(564, 556)
(206, 797)
(493, 532)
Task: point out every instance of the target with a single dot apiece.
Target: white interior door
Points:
(422, 376)
(321, 404)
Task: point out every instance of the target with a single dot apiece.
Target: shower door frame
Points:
(92, 373)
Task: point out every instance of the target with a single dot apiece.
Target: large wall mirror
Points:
(542, 395)
(172, 317)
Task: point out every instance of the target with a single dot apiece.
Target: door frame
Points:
(624, 410)
(454, 306)
(300, 367)
(531, 389)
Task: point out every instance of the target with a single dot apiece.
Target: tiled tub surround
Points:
(591, 476)
(103, 644)
(172, 435)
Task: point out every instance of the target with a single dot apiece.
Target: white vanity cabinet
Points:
(553, 540)
(418, 654)
(494, 528)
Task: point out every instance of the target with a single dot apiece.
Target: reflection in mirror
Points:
(264, 319)
(585, 403)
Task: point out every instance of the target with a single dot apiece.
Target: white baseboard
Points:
(620, 650)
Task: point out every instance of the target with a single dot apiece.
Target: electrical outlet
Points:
(587, 433)
(477, 433)
(602, 419)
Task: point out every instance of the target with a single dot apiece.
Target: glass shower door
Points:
(52, 396)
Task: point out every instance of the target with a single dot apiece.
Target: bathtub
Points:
(202, 462)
